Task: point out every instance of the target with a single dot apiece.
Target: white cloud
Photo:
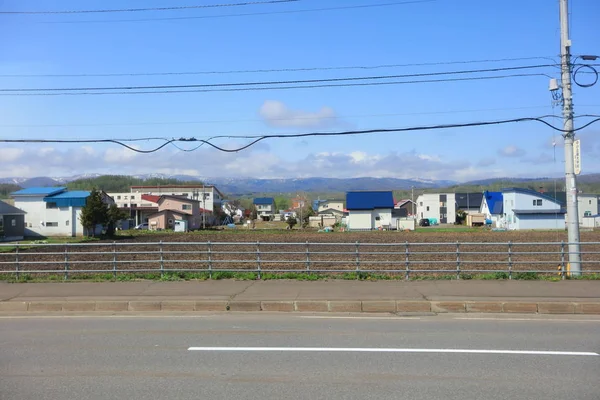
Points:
(512, 151)
(9, 154)
(275, 113)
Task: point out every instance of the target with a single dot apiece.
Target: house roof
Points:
(369, 200)
(264, 201)
(468, 200)
(167, 187)
(561, 197)
(151, 198)
(495, 202)
(330, 211)
(400, 203)
(169, 196)
(7, 209)
(533, 211)
(532, 193)
(76, 198)
(39, 191)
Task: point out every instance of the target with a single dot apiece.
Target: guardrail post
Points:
(162, 259)
(457, 260)
(562, 260)
(407, 260)
(357, 261)
(114, 246)
(307, 257)
(209, 260)
(258, 259)
(17, 260)
(510, 264)
(66, 261)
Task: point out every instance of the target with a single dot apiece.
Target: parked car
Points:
(424, 222)
(142, 226)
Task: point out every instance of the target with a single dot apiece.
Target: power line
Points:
(289, 82)
(308, 10)
(278, 119)
(247, 89)
(297, 135)
(175, 8)
(256, 71)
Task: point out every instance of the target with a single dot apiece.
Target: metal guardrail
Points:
(409, 259)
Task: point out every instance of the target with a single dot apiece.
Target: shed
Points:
(12, 223)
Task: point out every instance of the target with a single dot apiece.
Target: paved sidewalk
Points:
(281, 295)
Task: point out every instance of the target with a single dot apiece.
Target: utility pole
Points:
(569, 136)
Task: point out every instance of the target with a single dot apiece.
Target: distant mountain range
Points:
(235, 186)
(240, 186)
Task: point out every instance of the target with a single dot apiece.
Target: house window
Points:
(13, 222)
(186, 206)
(421, 204)
(427, 208)
(118, 197)
(377, 218)
(537, 202)
(67, 222)
(132, 197)
(590, 202)
(124, 197)
(51, 205)
(587, 214)
(52, 224)
(442, 204)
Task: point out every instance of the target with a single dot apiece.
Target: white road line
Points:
(390, 350)
(90, 316)
(525, 319)
(390, 318)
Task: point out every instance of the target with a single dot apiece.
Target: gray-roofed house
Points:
(12, 223)
(528, 209)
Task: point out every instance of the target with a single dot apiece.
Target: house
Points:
(369, 210)
(406, 208)
(176, 211)
(138, 206)
(265, 207)
(299, 202)
(587, 204)
(442, 207)
(492, 206)
(209, 196)
(53, 211)
(12, 223)
(330, 204)
(528, 209)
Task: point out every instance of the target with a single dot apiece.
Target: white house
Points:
(53, 211)
(528, 209)
(265, 207)
(331, 204)
(587, 206)
(492, 206)
(369, 210)
(442, 207)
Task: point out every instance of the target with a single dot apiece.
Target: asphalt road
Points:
(144, 357)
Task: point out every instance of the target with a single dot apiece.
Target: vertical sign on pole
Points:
(577, 156)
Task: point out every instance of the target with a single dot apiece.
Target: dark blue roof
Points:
(369, 200)
(76, 198)
(39, 191)
(7, 209)
(264, 201)
(495, 202)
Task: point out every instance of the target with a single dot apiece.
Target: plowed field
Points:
(422, 252)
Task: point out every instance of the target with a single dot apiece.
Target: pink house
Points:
(172, 208)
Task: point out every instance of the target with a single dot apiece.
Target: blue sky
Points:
(427, 32)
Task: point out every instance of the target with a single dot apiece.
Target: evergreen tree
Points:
(95, 212)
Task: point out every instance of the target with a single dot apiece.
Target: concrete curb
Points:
(354, 306)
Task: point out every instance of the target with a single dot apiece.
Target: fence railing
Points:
(458, 259)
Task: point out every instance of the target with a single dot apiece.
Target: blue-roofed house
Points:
(53, 211)
(265, 207)
(492, 206)
(528, 209)
(369, 210)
